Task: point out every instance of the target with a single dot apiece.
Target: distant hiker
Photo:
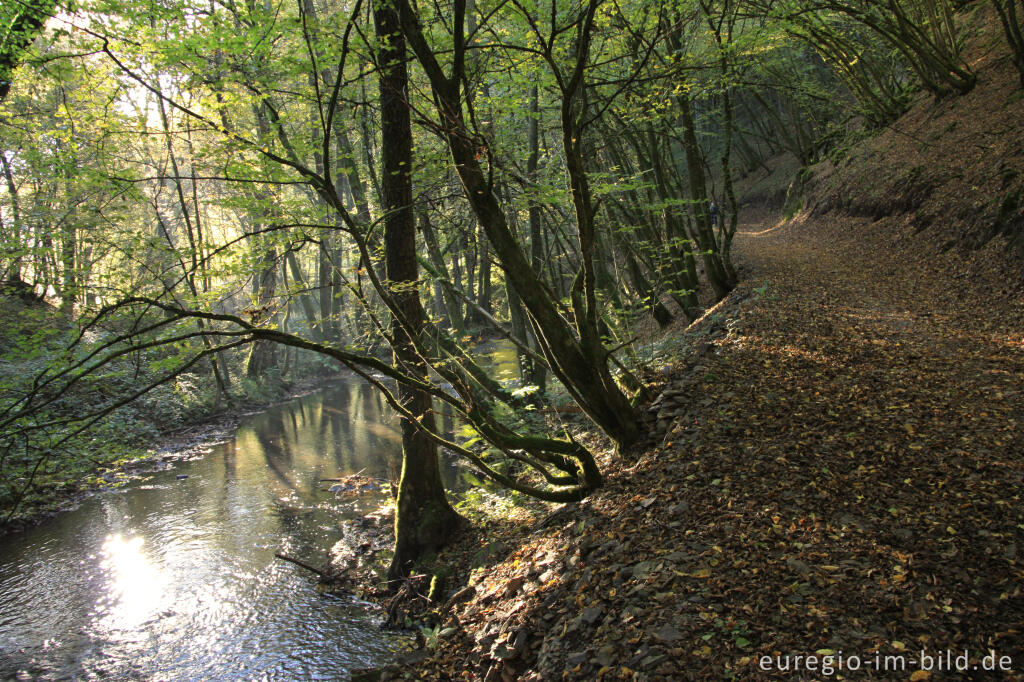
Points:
(713, 210)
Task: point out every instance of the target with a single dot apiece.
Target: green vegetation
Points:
(205, 193)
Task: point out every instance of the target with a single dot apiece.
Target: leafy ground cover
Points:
(836, 471)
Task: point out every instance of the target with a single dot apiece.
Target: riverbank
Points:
(174, 576)
(179, 444)
(840, 470)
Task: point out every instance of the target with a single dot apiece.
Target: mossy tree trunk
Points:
(424, 520)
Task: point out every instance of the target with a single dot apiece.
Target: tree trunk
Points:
(14, 243)
(262, 353)
(450, 304)
(580, 364)
(424, 520)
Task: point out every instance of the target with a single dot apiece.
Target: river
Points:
(174, 576)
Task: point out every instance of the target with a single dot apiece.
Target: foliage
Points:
(185, 180)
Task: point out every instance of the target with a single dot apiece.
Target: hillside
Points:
(836, 467)
(945, 182)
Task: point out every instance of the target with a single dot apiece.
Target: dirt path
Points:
(843, 475)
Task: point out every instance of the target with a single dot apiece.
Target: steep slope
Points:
(836, 470)
(947, 179)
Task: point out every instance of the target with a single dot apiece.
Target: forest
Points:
(752, 230)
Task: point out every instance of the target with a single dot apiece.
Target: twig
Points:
(299, 562)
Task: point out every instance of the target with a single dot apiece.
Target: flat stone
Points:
(503, 652)
(653, 660)
(676, 557)
(797, 566)
(642, 569)
(592, 614)
(514, 585)
(667, 633)
(606, 655)
(576, 659)
(413, 657)
(679, 507)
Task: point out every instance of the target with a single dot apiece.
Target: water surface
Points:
(175, 578)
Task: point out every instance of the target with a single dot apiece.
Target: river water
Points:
(174, 577)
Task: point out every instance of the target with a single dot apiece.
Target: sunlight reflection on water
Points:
(135, 587)
(175, 579)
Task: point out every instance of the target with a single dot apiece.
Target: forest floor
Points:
(840, 477)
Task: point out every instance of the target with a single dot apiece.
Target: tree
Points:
(1013, 30)
(424, 520)
(20, 23)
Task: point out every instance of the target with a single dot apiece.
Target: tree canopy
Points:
(206, 188)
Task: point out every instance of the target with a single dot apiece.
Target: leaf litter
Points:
(837, 468)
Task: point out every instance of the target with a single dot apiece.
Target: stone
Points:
(679, 508)
(413, 657)
(676, 557)
(643, 569)
(592, 614)
(606, 655)
(520, 639)
(653, 660)
(488, 553)
(514, 585)
(667, 633)
(503, 652)
(576, 659)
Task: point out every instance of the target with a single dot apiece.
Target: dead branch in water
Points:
(303, 564)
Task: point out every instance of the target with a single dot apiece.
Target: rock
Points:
(465, 594)
(606, 655)
(514, 585)
(643, 569)
(573, 660)
(904, 534)
(653, 660)
(679, 508)
(586, 546)
(413, 657)
(520, 639)
(181, 477)
(667, 633)
(592, 614)
(488, 553)
(676, 557)
(503, 652)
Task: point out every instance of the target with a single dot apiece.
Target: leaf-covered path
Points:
(839, 474)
